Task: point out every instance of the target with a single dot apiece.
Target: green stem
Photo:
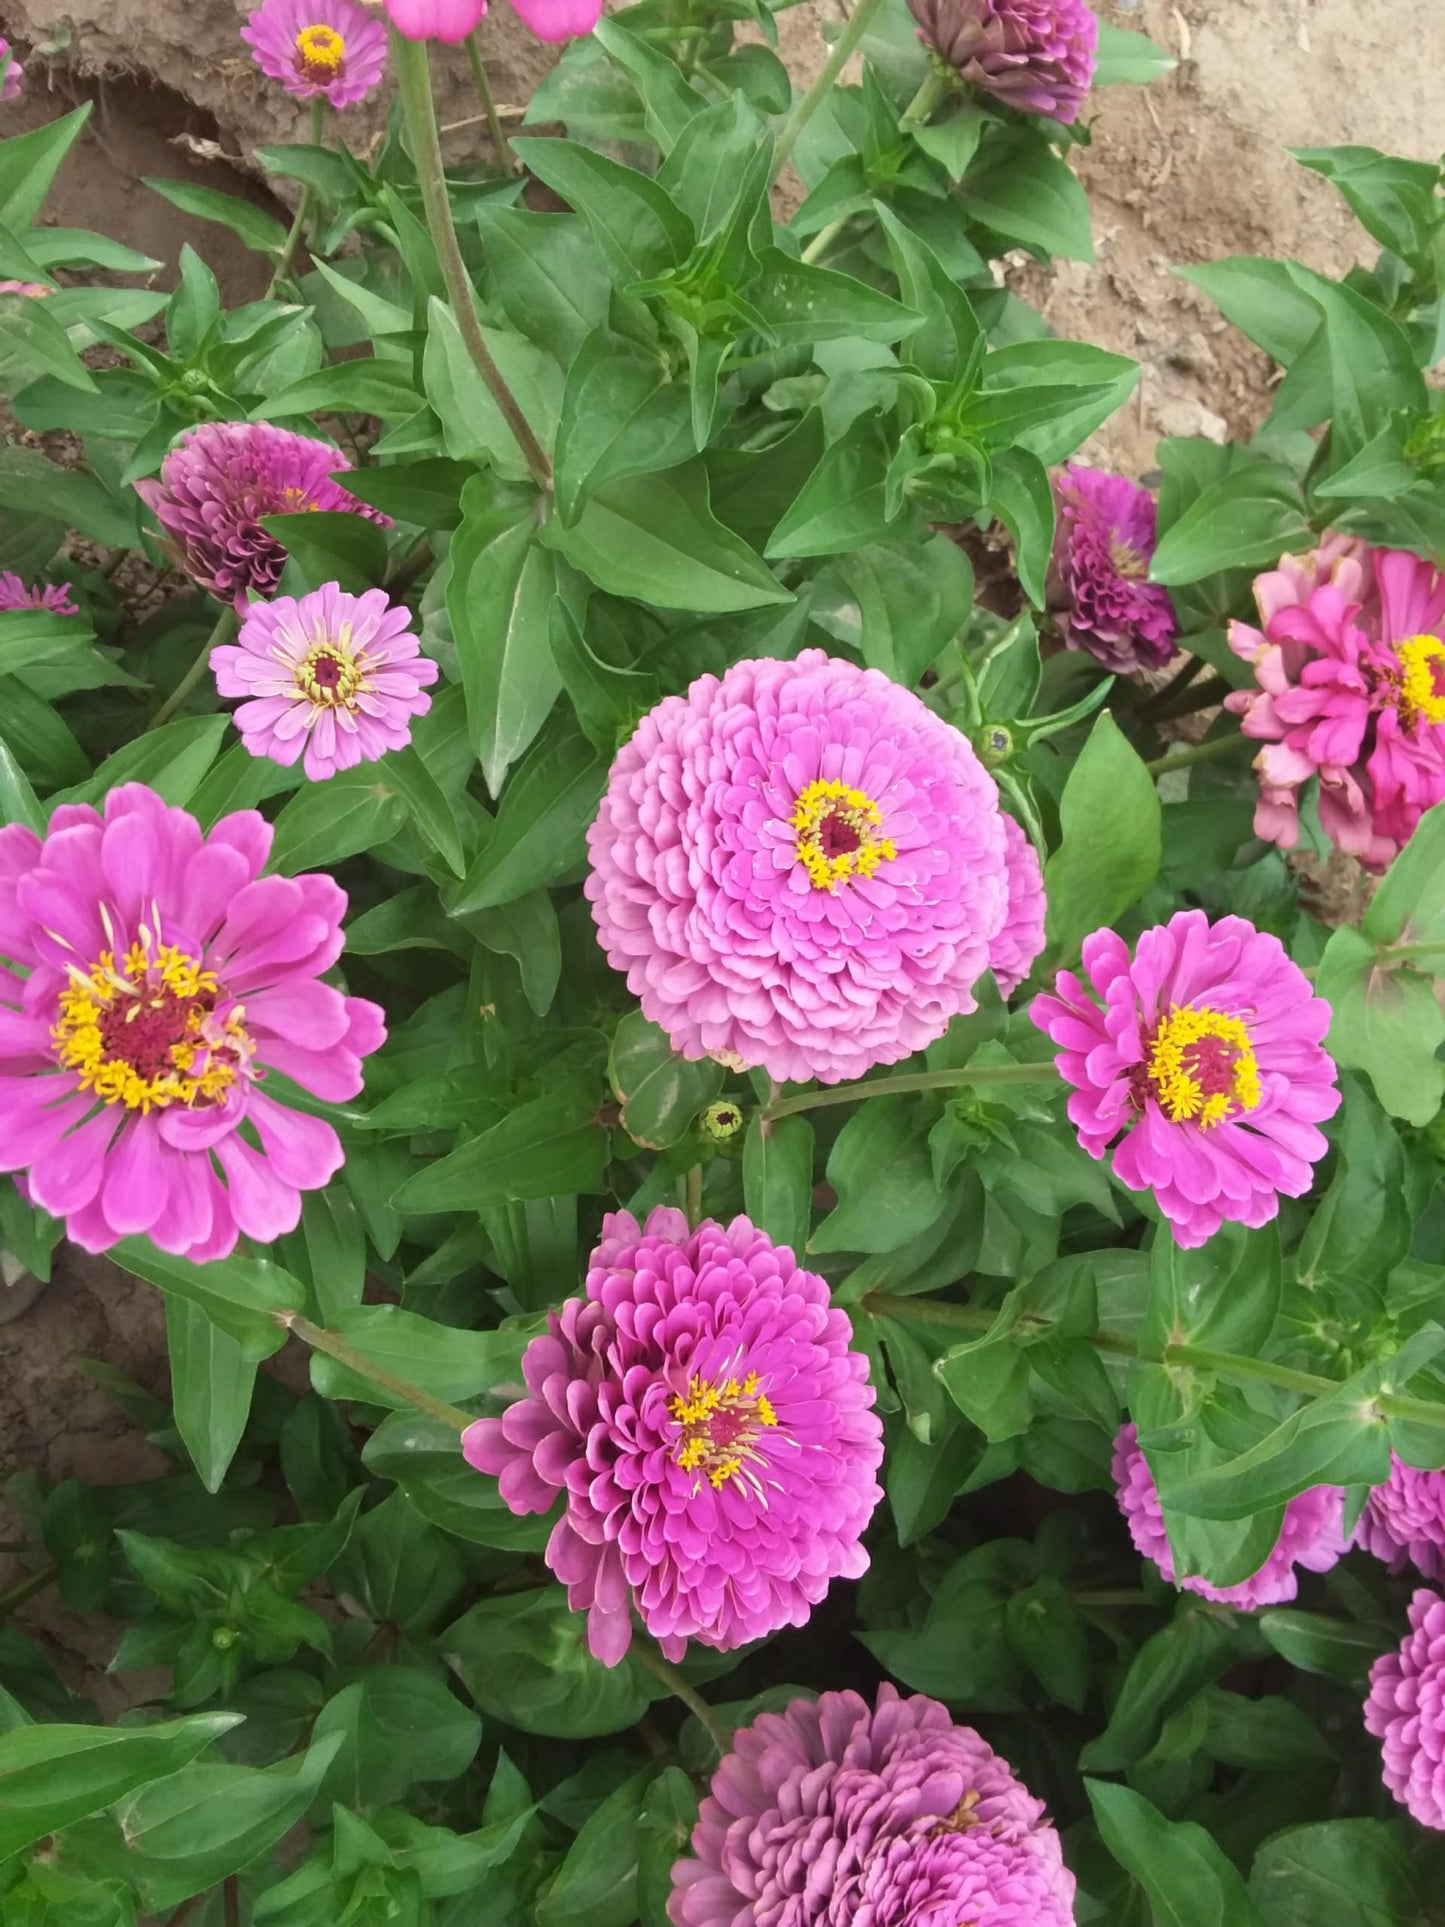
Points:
(1167, 691)
(825, 237)
(909, 1081)
(921, 108)
(303, 206)
(652, 1662)
(1257, 1370)
(1109, 1597)
(971, 1318)
(1207, 695)
(335, 1346)
(414, 73)
(506, 161)
(225, 628)
(844, 48)
(27, 1588)
(1409, 952)
(1197, 753)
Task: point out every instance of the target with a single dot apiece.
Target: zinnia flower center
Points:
(1201, 1066)
(1128, 561)
(147, 1034)
(1422, 683)
(720, 1426)
(328, 675)
(322, 51)
(837, 833)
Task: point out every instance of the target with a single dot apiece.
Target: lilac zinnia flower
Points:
(14, 74)
(711, 1430)
(1207, 1056)
(52, 596)
(1405, 1710)
(217, 483)
(1036, 55)
(1099, 589)
(157, 977)
(800, 867)
(837, 1814)
(1011, 954)
(331, 47)
(1309, 1535)
(337, 676)
(1404, 1520)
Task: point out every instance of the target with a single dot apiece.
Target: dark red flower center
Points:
(837, 836)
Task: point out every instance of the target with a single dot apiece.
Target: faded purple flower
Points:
(14, 74)
(336, 48)
(1011, 954)
(1099, 588)
(1403, 1522)
(1036, 55)
(52, 596)
(1405, 1710)
(32, 290)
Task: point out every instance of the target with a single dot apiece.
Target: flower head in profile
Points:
(802, 867)
(52, 596)
(1035, 55)
(334, 677)
(218, 482)
(1403, 1521)
(1405, 1710)
(14, 76)
(1099, 587)
(332, 48)
(1200, 1060)
(702, 1415)
(1309, 1536)
(155, 977)
(833, 1813)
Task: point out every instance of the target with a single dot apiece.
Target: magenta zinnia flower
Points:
(1036, 55)
(1099, 587)
(800, 867)
(217, 483)
(330, 47)
(157, 977)
(1011, 954)
(450, 20)
(1309, 1535)
(14, 75)
(837, 1814)
(1405, 1710)
(53, 596)
(1350, 664)
(710, 1429)
(1403, 1522)
(337, 676)
(1207, 1056)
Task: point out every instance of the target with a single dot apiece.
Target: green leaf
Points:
(843, 504)
(332, 545)
(778, 1179)
(898, 606)
(1393, 199)
(395, 1727)
(668, 102)
(638, 227)
(1020, 188)
(1246, 521)
(607, 700)
(1052, 1640)
(369, 387)
(427, 493)
(212, 1379)
(1189, 1881)
(29, 162)
(527, 929)
(596, 1885)
(352, 811)
(448, 1363)
(881, 1169)
(1337, 1873)
(251, 225)
(1409, 905)
(1372, 366)
(30, 483)
(1166, 1673)
(660, 1092)
(523, 1657)
(1110, 847)
(427, 806)
(473, 426)
(622, 414)
(802, 303)
(240, 1295)
(547, 275)
(669, 1813)
(1022, 498)
(1386, 1022)
(1337, 1648)
(541, 825)
(400, 1569)
(1051, 369)
(1130, 57)
(1262, 299)
(421, 1455)
(552, 1145)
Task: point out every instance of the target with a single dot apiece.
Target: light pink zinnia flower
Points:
(1309, 1535)
(450, 20)
(32, 290)
(156, 978)
(1405, 1710)
(14, 75)
(837, 1814)
(1207, 1056)
(1036, 55)
(1404, 1520)
(711, 1431)
(331, 47)
(1011, 954)
(800, 867)
(1099, 589)
(337, 676)
(54, 596)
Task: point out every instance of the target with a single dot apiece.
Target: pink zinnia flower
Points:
(1404, 1520)
(1309, 1535)
(1036, 55)
(1350, 664)
(710, 1429)
(337, 676)
(450, 20)
(1099, 587)
(156, 977)
(54, 596)
(1207, 1057)
(837, 1814)
(1405, 1710)
(32, 290)
(217, 483)
(331, 47)
(1011, 954)
(10, 87)
(800, 867)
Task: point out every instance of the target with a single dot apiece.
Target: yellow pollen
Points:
(322, 49)
(720, 1426)
(329, 674)
(837, 834)
(1422, 685)
(1128, 561)
(1202, 1067)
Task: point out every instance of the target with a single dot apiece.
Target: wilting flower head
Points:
(156, 977)
(1405, 1710)
(1309, 1535)
(217, 483)
(1350, 664)
(337, 676)
(711, 1431)
(1036, 55)
(14, 75)
(1099, 587)
(837, 1814)
(335, 48)
(1403, 1521)
(1207, 1056)
(1011, 954)
(32, 290)
(54, 596)
(450, 20)
(800, 867)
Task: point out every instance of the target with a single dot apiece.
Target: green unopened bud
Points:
(224, 1638)
(721, 1121)
(996, 745)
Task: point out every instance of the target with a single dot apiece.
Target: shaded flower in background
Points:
(14, 76)
(333, 676)
(1011, 954)
(1036, 55)
(1309, 1535)
(1405, 1710)
(800, 867)
(1206, 1056)
(1099, 589)
(450, 20)
(334, 48)
(217, 483)
(1403, 1522)
(837, 1814)
(1350, 667)
(157, 976)
(54, 596)
(710, 1428)
(32, 290)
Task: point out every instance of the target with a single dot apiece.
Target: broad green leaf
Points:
(1337, 1648)
(1409, 906)
(332, 545)
(1023, 500)
(1262, 299)
(31, 483)
(899, 606)
(212, 1378)
(448, 1363)
(427, 806)
(427, 492)
(523, 1657)
(547, 275)
(473, 426)
(394, 1727)
(1395, 200)
(1372, 366)
(621, 415)
(638, 227)
(1246, 521)
(660, 1092)
(399, 1568)
(1020, 188)
(1337, 1873)
(251, 225)
(29, 162)
(607, 700)
(1189, 1881)
(352, 811)
(541, 824)
(1386, 1022)
(1165, 1674)
(240, 1295)
(422, 1456)
(552, 1145)
(778, 1179)
(596, 1885)
(842, 505)
(369, 387)
(882, 1172)
(1109, 847)
(1131, 57)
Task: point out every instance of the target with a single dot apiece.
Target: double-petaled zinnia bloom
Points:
(154, 977)
(1036, 55)
(1099, 589)
(454, 19)
(1405, 1711)
(1403, 1521)
(1309, 1534)
(801, 867)
(334, 48)
(53, 597)
(1350, 665)
(1199, 1059)
(837, 1814)
(711, 1431)
(217, 483)
(333, 676)
(14, 74)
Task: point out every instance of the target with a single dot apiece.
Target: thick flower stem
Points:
(648, 1657)
(303, 206)
(910, 1081)
(335, 1346)
(844, 48)
(505, 159)
(921, 108)
(26, 1589)
(1197, 753)
(416, 98)
(825, 237)
(224, 630)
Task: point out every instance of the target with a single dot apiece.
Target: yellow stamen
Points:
(720, 1428)
(322, 49)
(837, 832)
(1202, 1067)
(1422, 686)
